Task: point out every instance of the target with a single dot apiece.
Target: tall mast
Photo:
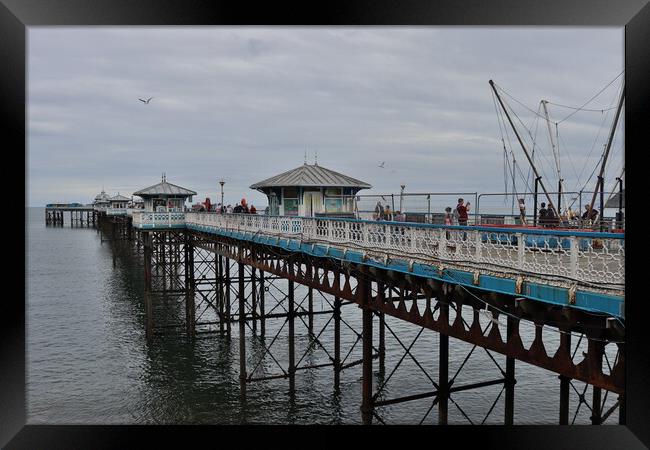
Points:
(556, 153)
(548, 197)
(600, 182)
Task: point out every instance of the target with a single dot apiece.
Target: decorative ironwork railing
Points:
(145, 219)
(116, 211)
(592, 258)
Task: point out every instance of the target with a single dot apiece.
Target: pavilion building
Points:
(165, 197)
(117, 205)
(311, 190)
(102, 200)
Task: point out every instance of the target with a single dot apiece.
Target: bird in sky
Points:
(146, 102)
(382, 164)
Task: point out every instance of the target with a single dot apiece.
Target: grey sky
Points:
(245, 103)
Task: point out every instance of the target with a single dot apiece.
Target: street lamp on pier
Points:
(222, 182)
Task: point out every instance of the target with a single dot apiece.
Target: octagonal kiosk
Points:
(311, 191)
(164, 205)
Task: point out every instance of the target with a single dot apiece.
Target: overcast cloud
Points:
(245, 103)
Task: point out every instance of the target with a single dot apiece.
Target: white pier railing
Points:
(144, 219)
(116, 211)
(593, 258)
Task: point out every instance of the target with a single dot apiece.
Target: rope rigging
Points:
(555, 146)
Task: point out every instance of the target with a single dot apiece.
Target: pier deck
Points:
(574, 269)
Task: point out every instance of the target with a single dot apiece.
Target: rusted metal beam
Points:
(242, 331)
(363, 297)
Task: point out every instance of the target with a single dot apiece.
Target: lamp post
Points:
(222, 182)
(401, 197)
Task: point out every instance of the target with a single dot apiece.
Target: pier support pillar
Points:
(310, 309)
(565, 346)
(190, 309)
(148, 307)
(242, 331)
(443, 369)
(292, 349)
(227, 288)
(510, 380)
(162, 262)
(220, 297)
(621, 409)
(254, 299)
(595, 407)
(382, 342)
(262, 291)
(337, 342)
(364, 293)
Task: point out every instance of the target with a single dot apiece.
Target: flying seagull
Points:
(382, 164)
(146, 102)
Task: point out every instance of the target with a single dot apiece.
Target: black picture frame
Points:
(16, 15)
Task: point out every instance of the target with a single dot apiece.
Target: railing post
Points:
(442, 242)
(521, 245)
(364, 231)
(478, 245)
(573, 250)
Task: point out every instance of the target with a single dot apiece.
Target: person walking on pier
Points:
(449, 217)
(522, 211)
(543, 212)
(379, 211)
(462, 210)
(388, 214)
(449, 220)
(253, 210)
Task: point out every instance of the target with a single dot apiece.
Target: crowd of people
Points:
(568, 219)
(240, 208)
(546, 217)
(459, 216)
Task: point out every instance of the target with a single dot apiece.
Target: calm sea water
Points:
(88, 361)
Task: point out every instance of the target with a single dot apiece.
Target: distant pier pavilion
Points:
(102, 200)
(311, 190)
(118, 205)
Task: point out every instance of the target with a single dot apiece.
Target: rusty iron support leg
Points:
(443, 368)
(621, 409)
(242, 331)
(262, 313)
(292, 350)
(227, 287)
(382, 342)
(254, 298)
(565, 345)
(219, 269)
(595, 407)
(162, 262)
(310, 306)
(190, 309)
(510, 380)
(564, 400)
(148, 309)
(337, 342)
(364, 294)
